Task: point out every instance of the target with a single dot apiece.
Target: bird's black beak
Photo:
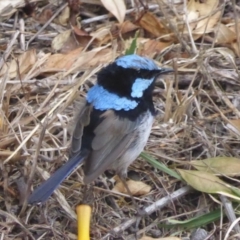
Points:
(165, 70)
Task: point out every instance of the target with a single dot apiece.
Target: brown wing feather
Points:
(111, 127)
(83, 120)
(112, 137)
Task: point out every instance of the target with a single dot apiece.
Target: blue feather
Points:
(139, 86)
(136, 62)
(104, 100)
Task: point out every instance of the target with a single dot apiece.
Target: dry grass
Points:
(196, 106)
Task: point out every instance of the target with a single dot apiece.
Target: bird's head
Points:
(130, 75)
(123, 83)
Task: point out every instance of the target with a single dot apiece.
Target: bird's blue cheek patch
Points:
(101, 99)
(139, 86)
(136, 62)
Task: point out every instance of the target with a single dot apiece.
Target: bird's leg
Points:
(111, 198)
(140, 212)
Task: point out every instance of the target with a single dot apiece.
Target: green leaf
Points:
(132, 49)
(194, 222)
(160, 166)
(208, 183)
(229, 166)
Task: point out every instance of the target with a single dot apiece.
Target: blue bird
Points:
(113, 127)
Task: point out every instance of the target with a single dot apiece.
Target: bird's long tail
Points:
(45, 190)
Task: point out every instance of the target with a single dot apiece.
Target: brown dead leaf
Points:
(225, 35)
(76, 59)
(165, 238)
(137, 188)
(127, 26)
(103, 56)
(203, 8)
(82, 37)
(69, 40)
(80, 32)
(74, 5)
(150, 23)
(103, 35)
(3, 125)
(152, 47)
(176, 54)
(236, 124)
(193, 12)
(63, 18)
(106, 34)
(207, 25)
(20, 65)
(3, 47)
(44, 16)
(235, 45)
(61, 62)
(60, 40)
(200, 9)
(116, 7)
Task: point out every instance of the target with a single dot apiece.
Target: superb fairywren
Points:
(114, 125)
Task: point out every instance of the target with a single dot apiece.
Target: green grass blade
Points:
(160, 165)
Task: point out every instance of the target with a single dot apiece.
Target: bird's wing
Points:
(82, 120)
(44, 191)
(112, 137)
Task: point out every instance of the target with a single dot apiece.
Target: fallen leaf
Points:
(76, 59)
(137, 188)
(205, 182)
(101, 57)
(219, 165)
(64, 16)
(165, 238)
(207, 25)
(3, 125)
(235, 47)
(20, 65)
(202, 9)
(193, 12)
(224, 35)
(44, 16)
(82, 37)
(103, 35)
(116, 7)
(235, 44)
(234, 125)
(176, 53)
(150, 23)
(80, 32)
(151, 47)
(61, 62)
(60, 40)
(127, 26)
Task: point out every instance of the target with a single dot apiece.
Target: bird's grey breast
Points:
(141, 136)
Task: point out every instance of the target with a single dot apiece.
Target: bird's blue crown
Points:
(136, 62)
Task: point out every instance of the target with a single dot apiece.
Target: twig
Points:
(228, 208)
(22, 35)
(194, 49)
(106, 16)
(236, 23)
(9, 49)
(152, 208)
(46, 24)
